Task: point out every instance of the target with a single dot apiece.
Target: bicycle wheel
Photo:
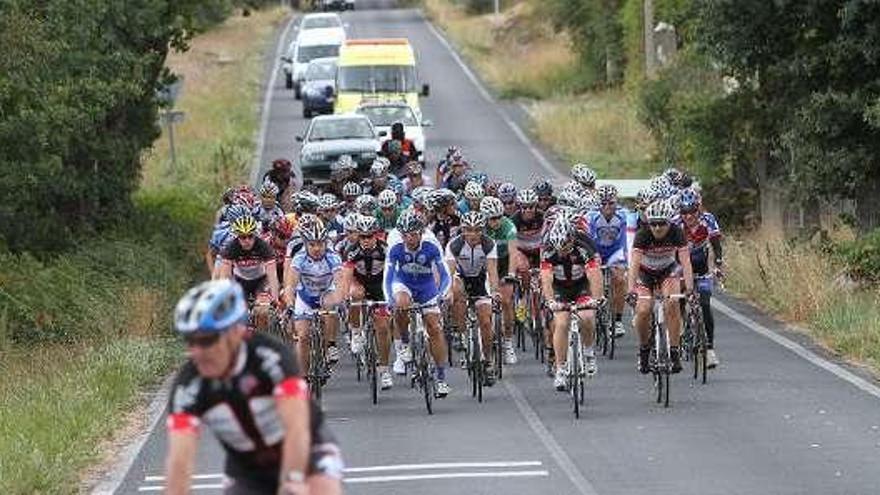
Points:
(426, 382)
(371, 351)
(575, 388)
(498, 348)
(666, 378)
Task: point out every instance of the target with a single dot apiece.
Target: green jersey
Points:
(505, 233)
(387, 223)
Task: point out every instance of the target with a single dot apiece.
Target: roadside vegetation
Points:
(84, 325)
(730, 108)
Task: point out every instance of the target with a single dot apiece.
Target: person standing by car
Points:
(282, 175)
(251, 394)
(407, 151)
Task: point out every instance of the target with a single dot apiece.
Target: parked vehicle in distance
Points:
(337, 5)
(309, 45)
(319, 87)
(383, 114)
(330, 136)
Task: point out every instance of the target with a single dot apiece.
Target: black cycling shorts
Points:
(252, 288)
(570, 293)
(654, 280)
(475, 286)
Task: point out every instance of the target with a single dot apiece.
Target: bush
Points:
(862, 256)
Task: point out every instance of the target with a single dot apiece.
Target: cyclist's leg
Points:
(356, 294)
(301, 324)
(478, 287)
(459, 305)
(672, 286)
(439, 351)
(382, 327)
(402, 301)
(618, 284)
(506, 292)
(642, 317)
(561, 321)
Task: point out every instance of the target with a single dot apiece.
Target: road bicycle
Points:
(605, 338)
(368, 358)
(575, 365)
(420, 342)
(319, 370)
(660, 360)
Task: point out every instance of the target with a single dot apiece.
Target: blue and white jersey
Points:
(268, 217)
(415, 269)
(609, 234)
(315, 276)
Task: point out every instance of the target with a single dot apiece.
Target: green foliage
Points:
(862, 256)
(77, 108)
(479, 6)
(56, 401)
(82, 294)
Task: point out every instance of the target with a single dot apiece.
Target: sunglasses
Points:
(366, 236)
(203, 341)
(529, 207)
(495, 218)
(248, 237)
(658, 224)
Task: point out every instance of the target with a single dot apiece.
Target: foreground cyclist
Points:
(570, 273)
(251, 394)
(473, 258)
(251, 262)
(410, 267)
(502, 230)
(660, 258)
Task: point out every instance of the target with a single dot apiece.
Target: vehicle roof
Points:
(323, 60)
(321, 36)
(376, 51)
(316, 15)
(340, 116)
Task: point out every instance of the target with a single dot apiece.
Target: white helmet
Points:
(474, 191)
(659, 211)
(559, 233)
(492, 207)
(582, 173)
(387, 198)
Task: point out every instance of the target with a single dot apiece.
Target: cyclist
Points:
(350, 192)
(250, 261)
(446, 217)
(473, 258)
(584, 175)
(281, 174)
(457, 176)
(544, 190)
(222, 235)
(280, 234)
(507, 193)
(251, 394)
(312, 281)
(342, 171)
(328, 209)
(702, 232)
(365, 204)
(473, 194)
(453, 154)
(659, 258)
(529, 224)
(415, 177)
(570, 274)
(410, 268)
(351, 237)
(364, 262)
(394, 152)
(607, 227)
(502, 230)
(268, 211)
(388, 210)
(378, 180)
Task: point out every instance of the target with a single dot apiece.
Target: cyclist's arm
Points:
(635, 261)
(492, 269)
(389, 278)
(594, 275)
(341, 284)
(272, 278)
(293, 409)
(715, 242)
(225, 270)
(291, 280)
(684, 257)
(514, 257)
(443, 271)
(183, 443)
(209, 260)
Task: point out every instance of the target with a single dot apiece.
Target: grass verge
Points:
(800, 284)
(82, 334)
(521, 55)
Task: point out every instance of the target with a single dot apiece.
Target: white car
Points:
(309, 44)
(384, 114)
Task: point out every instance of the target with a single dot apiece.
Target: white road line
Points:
(442, 465)
(112, 481)
(393, 467)
(439, 476)
(583, 486)
(217, 486)
(837, 370)
(267, 102)
(488, 97)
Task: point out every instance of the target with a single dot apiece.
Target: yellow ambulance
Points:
(371, 69)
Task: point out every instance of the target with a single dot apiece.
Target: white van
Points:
(310, 44)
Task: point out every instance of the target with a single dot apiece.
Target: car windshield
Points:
(307, 53)
(325, 129)
(385, 116)
(320, 71)
(321, 22)
(378, 79)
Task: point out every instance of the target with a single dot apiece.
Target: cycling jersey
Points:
(408, 185)
(454, 182)
(268, 217)
(705, 232)
(241, 412)
(569, 269)
(387, 222)
(220, 237)
(471, 261)
(609, 235)
(248, 265)
(658, 255)
(445, 228)
(464, 206)
(368, 265)
(315, 276)
(413, 271)
(528, 235)
(502, 236)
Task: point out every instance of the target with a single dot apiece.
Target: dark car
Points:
(331, 136)
(319, 87)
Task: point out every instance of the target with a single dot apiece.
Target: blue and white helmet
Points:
(212, 306)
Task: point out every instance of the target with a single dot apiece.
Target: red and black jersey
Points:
(368, 264)
(241, 411)
(570, 268)
(248, 264)
(659, 254)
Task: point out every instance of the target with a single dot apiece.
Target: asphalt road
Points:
(769, 421)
